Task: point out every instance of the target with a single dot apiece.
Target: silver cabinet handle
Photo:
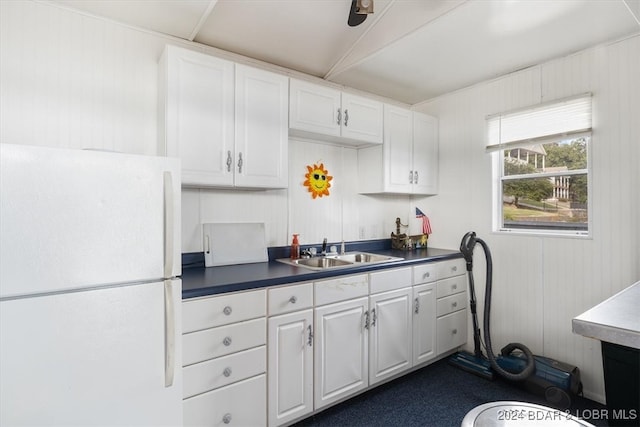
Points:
(226, 372)
(366, 319)
(226, 418)
(415, 177)
(374, 317)
(169, 331)
(410, 177)
(226, 341)
(240, 162)
(339, 117)
(310, 336)
(346, 117)
(293, 299)
(227, 310)
(229, 161)
(417, 309)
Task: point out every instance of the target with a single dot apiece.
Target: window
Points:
(541, 166)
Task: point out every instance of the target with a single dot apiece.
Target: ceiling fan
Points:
(359, 11)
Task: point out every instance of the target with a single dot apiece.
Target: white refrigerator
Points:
(90, 294)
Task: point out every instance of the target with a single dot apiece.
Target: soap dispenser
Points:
(295, 247)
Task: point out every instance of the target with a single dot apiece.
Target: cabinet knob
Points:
(293, 299)
(227, 310)
(226, 341)
(226, 418)
(226, 372)
(454, 268)
(455, 331)
(427, 274)
(454, 287)
(454, 305)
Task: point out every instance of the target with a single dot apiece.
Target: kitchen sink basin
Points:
(363, 257)
(339, 261)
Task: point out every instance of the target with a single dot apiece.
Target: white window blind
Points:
(544, 123)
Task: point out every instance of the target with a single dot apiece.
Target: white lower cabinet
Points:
(241, 404)
(424, 312)
(424, 323)
(290, 342)
(451, 304)
(341, 350)
(390, 334)
(224, 360)
(274, 357)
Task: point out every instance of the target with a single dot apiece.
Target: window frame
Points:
(498, 178)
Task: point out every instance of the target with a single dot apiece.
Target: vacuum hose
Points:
(466, 247)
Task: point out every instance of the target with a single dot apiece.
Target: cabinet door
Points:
(341, 350)
(425, 154)
(261, 131)
(398, 149)
(362, 118)
(390, 334)
(290, 366)
(424, 323)
(197, 115)
(314, 108)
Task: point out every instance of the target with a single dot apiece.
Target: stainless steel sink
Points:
(339, 261)
(363, 257)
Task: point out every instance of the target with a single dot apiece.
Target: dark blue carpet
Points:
(436, 395)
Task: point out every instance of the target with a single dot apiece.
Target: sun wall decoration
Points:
(317, 180)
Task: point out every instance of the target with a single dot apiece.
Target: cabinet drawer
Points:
(290, 298)
(425, 273)
(451, 303)
(389, 280)
(221, 310)
(215, 342)
(451, 286)
(341, 289)
(239, 404)
(223, 371)
(451, 331)
(451, 268)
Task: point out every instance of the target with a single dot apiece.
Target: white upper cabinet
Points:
(328, 114)
(261, 132)
(225, 121)
(407, 163)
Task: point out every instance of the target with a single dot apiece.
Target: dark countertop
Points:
(201, 281)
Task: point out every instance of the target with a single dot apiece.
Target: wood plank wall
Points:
(541, 283)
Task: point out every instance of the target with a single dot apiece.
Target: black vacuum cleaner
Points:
(554, 380)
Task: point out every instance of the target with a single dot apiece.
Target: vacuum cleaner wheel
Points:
(557, 397)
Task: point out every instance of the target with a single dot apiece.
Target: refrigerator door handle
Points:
(170, 333)
(168, 224)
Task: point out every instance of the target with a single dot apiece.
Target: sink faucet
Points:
(324, 246)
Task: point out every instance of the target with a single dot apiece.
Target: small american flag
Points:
(426, 225)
